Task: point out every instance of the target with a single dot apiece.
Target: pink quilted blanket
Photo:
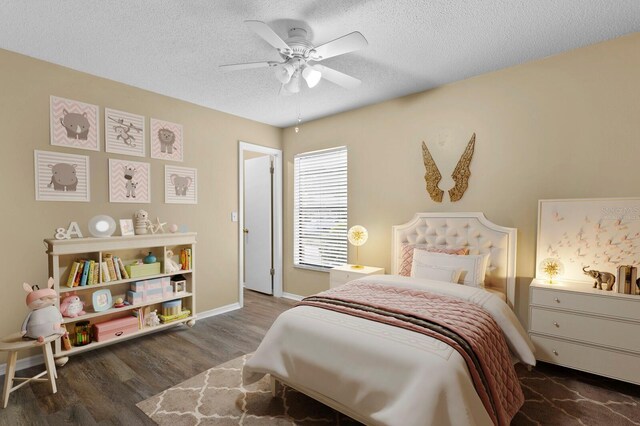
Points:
(464, 326)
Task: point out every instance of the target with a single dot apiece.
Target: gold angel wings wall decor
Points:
(460, 174)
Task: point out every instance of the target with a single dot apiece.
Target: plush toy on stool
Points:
(44, 319)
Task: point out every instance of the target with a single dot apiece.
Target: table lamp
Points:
(357, 236)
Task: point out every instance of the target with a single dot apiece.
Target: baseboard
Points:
(34, 360)
(219, 311)
(292, 296)
(22, 363)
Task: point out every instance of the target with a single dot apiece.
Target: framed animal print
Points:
(180, 185)
(61, 177)
(74, 124)
(124, 132)
(129, 181)
(167, 141)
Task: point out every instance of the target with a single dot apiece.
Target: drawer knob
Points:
(555, 352)
(557, 300)
(556, 324)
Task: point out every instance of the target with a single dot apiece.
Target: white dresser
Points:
(597, 331)
(342, 274)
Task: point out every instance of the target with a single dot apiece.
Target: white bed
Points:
(384, 375)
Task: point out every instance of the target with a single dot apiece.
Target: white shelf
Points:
(62, 254)
(125, 308)
(66, 289)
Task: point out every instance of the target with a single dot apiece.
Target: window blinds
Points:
(320, 208)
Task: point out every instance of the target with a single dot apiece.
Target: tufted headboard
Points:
(471, 230)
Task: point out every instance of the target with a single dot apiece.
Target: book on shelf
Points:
(92, 266)
(96, 272)
(624, 275)
(111, 268)
(123, 270)
(185, 259)
(72, 273)
(85, 273)
(104, 270)
(78, 277)
(116, 267)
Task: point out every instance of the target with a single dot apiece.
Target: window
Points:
(320, 208)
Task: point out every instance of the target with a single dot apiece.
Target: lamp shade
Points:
(284, 73)
(357, 235)
(311, 76)
(293, 86)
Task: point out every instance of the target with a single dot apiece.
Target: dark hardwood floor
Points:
(102, 387)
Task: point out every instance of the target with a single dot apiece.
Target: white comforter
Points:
(381, 374)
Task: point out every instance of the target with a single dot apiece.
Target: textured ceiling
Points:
(175, 47)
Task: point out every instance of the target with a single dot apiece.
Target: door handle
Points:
(245, 230)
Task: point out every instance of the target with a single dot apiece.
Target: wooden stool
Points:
(14, 343)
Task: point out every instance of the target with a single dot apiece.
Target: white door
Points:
(257, 225)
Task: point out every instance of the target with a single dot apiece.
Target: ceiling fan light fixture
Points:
(293, 86)
(311, 76)
(284, 73)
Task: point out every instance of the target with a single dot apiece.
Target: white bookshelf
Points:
(62, 254)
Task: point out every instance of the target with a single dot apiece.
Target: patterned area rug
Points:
(554, 396)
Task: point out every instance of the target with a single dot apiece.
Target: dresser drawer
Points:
(601, 331)
(621, 307)
(594, 360)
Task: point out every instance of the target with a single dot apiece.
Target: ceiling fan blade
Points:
(340, 46)
(337, 77)
(265, 31)
(248, 65)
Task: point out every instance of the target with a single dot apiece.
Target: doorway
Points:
(260, 219)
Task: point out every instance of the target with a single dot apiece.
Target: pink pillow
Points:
(406, 255)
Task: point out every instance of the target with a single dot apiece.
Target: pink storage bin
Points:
(115, 328)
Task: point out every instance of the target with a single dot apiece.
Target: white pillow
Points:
(473, 266)
(432, 272)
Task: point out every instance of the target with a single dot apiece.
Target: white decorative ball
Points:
(173, 228)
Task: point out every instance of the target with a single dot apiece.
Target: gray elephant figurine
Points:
(600, 277)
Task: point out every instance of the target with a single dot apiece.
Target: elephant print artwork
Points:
(166, 140)
(129, 181)
(180, 185)
(74, 124)
(61, 177)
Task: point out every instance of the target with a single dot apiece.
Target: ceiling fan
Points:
(300, 57)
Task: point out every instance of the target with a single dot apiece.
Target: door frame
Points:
(277, 215)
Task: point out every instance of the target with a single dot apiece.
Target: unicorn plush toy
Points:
(44, 319)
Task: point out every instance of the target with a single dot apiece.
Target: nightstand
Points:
(342, 274)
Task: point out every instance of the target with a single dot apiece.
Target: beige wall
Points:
(211, 146)
(563, 127)
(567, 126)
